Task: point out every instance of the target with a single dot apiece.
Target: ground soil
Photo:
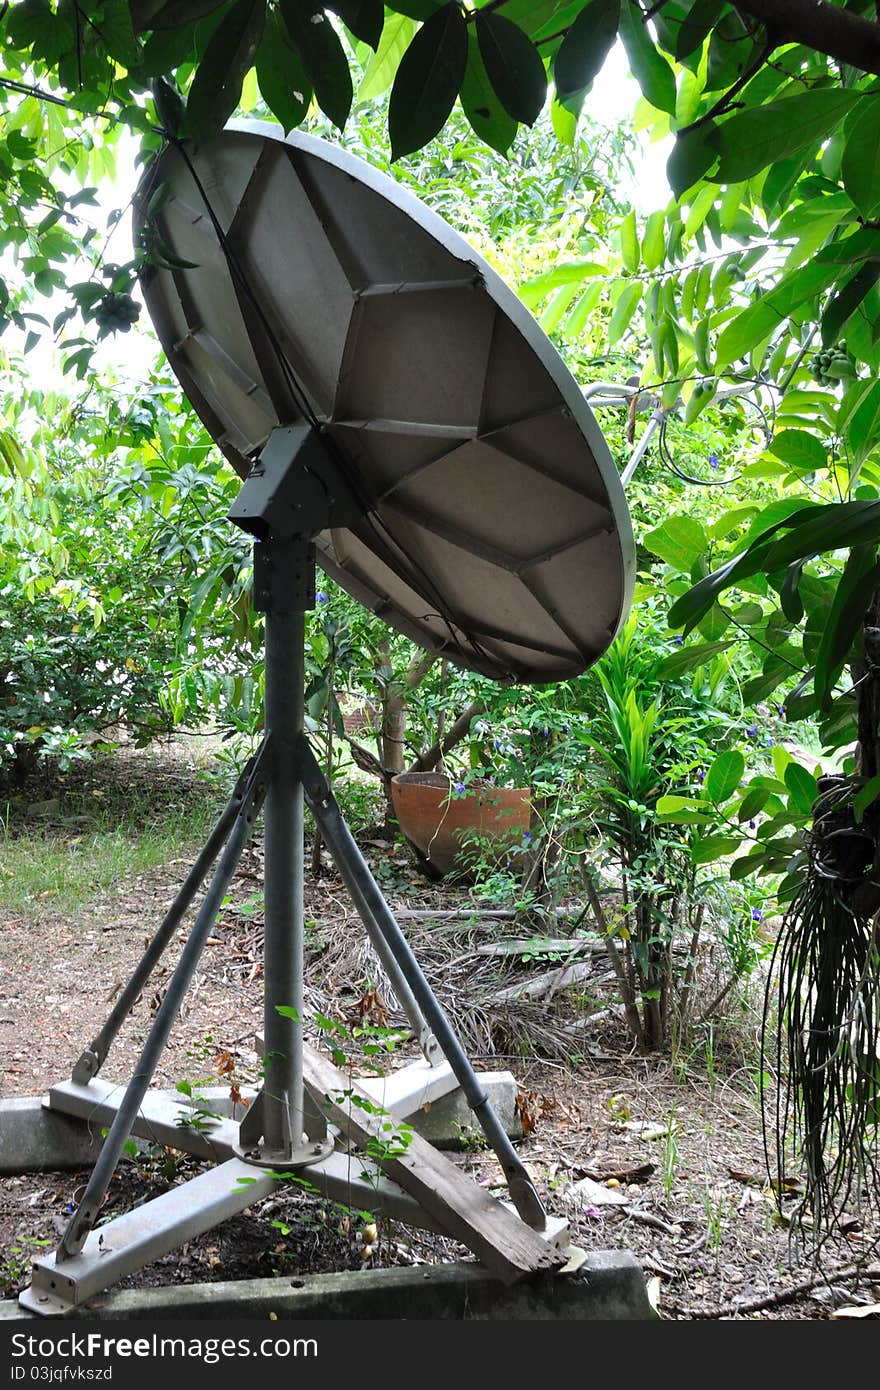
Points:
(662, 1157)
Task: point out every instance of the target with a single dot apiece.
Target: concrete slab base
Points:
(35, 1139)
(609, 1285)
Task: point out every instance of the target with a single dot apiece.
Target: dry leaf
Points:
(865, 1310)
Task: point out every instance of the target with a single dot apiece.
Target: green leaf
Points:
(772, 516)
(323, 57)
(860, 165)
(802, 787)
(481, 105)
(866, 797)
(725, 775)
(649, 67)
(428, 81)
(379, 72)
(847, 300)
(752, 325)
(715, 847)
(750, 140)
(792, 604)
(799, 449)
(216, 86)
(169, 106)
(629, 243)
(364, 18)
(752, 803)
(564, 123)
(680, 541)
(29, 23)
(689, 658)
(281, 75)
(116, 30)
(696, 25)
(585, 47)
(177, 12)
(668, 805)
(691, 159)
(864, 426)
(833, 527)
(654, 240)
(570, 273)
(624, 310)
(513, 65)
(843, 628)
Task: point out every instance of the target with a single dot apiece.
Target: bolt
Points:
(317, 1148)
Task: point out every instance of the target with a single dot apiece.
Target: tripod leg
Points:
(83, 1218)
(360, 882)
(94, 1056)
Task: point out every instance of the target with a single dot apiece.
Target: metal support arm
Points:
(86, 1213)
(363, 887)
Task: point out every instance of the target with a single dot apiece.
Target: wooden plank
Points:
(495, 1234)
(542, 946)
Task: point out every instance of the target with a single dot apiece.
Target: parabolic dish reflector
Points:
(299, 285)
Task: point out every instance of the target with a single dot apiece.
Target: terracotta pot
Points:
(434, 822)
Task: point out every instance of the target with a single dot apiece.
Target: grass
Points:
(100, 830)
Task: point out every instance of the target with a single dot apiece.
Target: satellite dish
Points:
(394, 409)
(297, 285)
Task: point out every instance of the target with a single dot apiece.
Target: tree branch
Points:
(428, 760)
(837, 33)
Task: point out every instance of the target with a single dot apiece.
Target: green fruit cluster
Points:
(116, 312)
(831, 366)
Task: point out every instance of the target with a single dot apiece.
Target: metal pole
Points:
(641, 448)
(282, 1103)
(84, 1217)
(431, 1050)
(360, 882)
(94, 1056)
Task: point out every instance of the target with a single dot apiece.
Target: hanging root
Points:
(825, 982)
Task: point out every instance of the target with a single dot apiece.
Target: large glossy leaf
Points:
(750, 140)
(323, 57)
(696, 25)
(757, 322)
(585, 47)
(802, 788)
(725, 775)
(176, 12)
(379, 72)
(649, 67)
(860, 165)
(691, 159)
(680, 541)
(799, 449)
(847, 300)
(689, 658)
(863, 430)
(116, 32)
(715, 847)
(283, 80)
(428, 81)
(481, 105)
(216, 86)
(513, 66)
(364, 18)
(858, 583)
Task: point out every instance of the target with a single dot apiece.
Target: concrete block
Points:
(609, 1285)
(449, 1123)
(34, 1139)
